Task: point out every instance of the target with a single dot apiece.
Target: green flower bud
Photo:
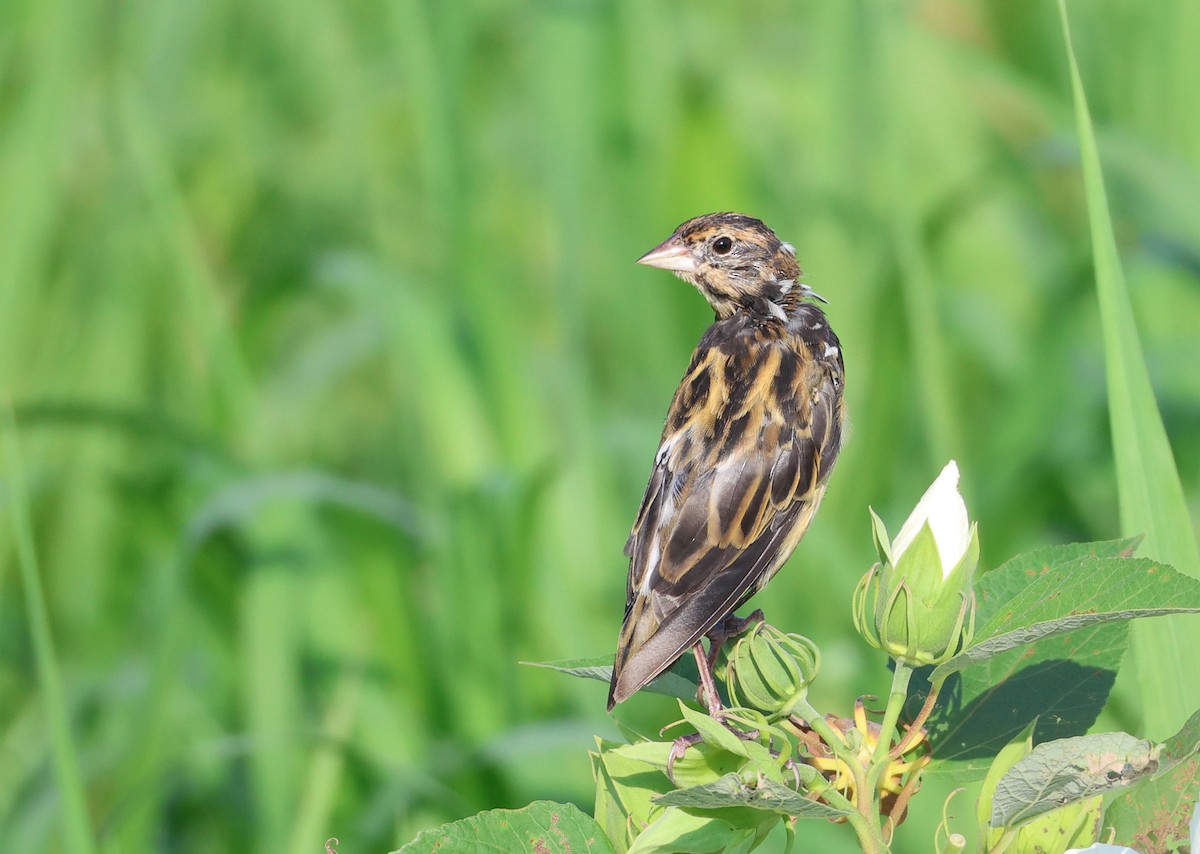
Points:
(918, 604)
(770, 671)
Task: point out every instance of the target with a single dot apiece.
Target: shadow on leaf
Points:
(974, 721)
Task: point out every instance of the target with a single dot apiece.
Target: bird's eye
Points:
(722, 245)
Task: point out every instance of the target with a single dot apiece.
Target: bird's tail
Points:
(639, 626)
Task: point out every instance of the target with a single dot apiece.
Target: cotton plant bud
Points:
(770, 671)
(918, 604)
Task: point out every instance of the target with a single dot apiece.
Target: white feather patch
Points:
(650, 568)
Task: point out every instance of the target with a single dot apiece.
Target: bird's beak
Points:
(671, 254)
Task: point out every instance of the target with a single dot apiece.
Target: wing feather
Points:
(750, 438)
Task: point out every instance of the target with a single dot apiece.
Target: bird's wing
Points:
(751, 435)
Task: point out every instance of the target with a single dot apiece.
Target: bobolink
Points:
(750, 439)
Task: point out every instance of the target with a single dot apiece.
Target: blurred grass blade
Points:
(326, 767)
(1151, 496)
(75, 822)
(918, 283)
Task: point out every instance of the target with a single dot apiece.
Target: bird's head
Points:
(734, 260)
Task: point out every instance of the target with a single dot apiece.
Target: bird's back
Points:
(751, 436)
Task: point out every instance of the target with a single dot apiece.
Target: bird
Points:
(750, 439)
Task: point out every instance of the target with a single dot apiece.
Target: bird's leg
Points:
(730, 628)
(708, 688)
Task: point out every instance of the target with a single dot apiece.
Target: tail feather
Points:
(639, 627)
(649, 646)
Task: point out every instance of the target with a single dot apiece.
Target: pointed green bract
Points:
(1008, 756)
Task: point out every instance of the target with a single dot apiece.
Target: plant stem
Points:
(955, 843)
(869, 836)
(55, 706)
(891, 715)
(863, 816)
(1003, 842)
(868, 793)
(834, 740)
(913, 731)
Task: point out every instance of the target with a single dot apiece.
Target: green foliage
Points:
(337, 387)
(543, 827)
(1067, 771)
(673, 683)
(1059, 682)
(765, 794)
(723, 791)
(1074, 595)
(66, 765)
(1152, 497)
(1042, 790)
(1074, 825)
(1155, 816)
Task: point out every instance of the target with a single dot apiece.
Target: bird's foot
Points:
(793, 766)
(678, 748)
(731, 627)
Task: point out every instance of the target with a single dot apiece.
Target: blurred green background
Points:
(337, 387)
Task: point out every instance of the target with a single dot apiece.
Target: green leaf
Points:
(1029, 564)
(678, 831)
(1072, 826)
(1151, 495)
(766, 794)
(609, 812)
(701, 763)
(714, 733)
(1070, 770)
(1059, 682)
(624, 788)
(674, 683)
(542, 827)
(1008, 756)
(1076, 595)
(1182, 745)
(1154, 816)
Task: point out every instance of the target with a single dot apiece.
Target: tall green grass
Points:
(1152, 497)
(52, 708)
(338, 388)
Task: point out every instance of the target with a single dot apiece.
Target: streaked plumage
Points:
(751, 436)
